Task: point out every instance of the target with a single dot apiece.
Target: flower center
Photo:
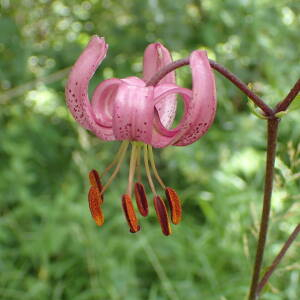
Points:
(96, 191)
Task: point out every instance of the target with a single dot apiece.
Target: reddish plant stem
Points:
(285, 103)
(243, 87)
(278, 259)
(154, 80)
(226, 73)
(273, 123)
(268, 187)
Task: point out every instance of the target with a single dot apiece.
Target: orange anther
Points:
(96, 182)
(175, 205)
(162, 215)
(141, 198)
(94, 204)
(130, 214)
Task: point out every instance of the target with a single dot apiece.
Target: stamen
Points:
(121, 149)
(96, 182)
(162, 215)
(132, 167)
(151, 157)
(138, 163)
(94, 204)
(130, 214)
(141, 198)
(117, 169)
(175, 205)
(146, 161)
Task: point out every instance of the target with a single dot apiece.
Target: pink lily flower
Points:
(130, 111)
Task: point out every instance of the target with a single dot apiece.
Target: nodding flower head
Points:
(129, 110)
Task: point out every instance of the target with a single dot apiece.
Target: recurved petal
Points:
(162, 136)
(133, 113)
(133, 80)
(103, 99)
(157, 56)
(202, 108)
(77, 87)
(165, 90)
(104, 96)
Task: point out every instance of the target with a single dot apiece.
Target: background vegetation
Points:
(50, 247)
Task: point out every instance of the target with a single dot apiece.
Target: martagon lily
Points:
(129, 110)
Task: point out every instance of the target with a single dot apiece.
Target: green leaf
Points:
(295, 104)
(281, 114)
(254, 110)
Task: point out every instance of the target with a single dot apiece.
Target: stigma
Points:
(140, 154)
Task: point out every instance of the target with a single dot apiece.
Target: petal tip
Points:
(98, 41)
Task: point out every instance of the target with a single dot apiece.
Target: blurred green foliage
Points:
(50, 247)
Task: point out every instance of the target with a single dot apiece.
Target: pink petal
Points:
(77, 87)
(162, 136)
(133, 113)
(164, 90)
(156, 56)
(203, 105)
(132, 80)
(102, 101)
(104, 95)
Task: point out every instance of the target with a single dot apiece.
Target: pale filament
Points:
(152, 162)
(132, 166)
(146, 161)
(117, 169)
(116, 159)
(138, 164)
